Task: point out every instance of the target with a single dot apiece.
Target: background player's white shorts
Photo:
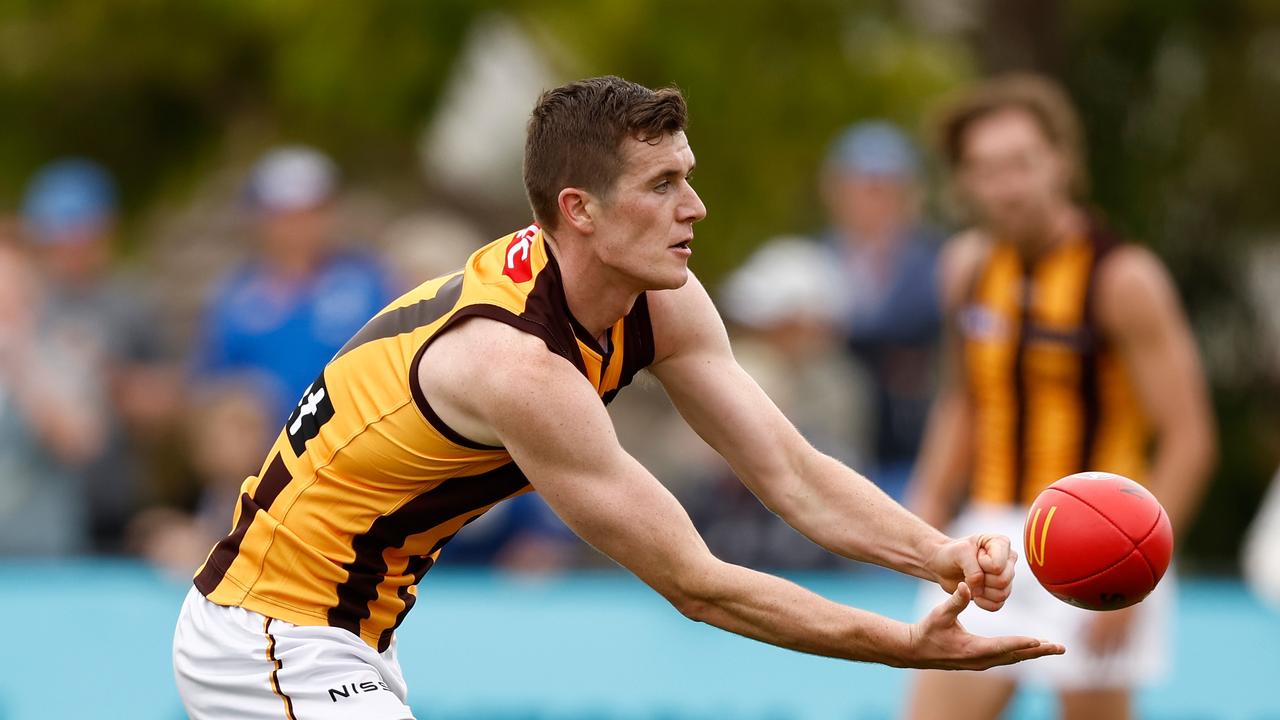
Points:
(1032, 611)
(234, 663)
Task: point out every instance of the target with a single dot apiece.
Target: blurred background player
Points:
(1067, 351)
(285, 312)
(871, 187)
(108, 321)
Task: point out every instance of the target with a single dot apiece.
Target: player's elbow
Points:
(787, 490)
(695, 608)
(692, 589)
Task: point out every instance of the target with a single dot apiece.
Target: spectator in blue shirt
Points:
(286, 312)
(889, 257)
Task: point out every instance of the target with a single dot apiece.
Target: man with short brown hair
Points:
(490, 382)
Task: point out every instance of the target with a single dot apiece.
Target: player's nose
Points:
(692, 210)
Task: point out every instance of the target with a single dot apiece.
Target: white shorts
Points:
(235, 663)
(1032, 611)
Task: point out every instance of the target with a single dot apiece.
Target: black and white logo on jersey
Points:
(313, 410)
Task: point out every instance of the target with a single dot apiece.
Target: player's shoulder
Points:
(1132, 282)
(1131, 263)
(480, 354)
(965, 248)
(959, 261)
(495, 347)
(483, 372)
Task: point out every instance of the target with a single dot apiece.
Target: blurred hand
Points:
(1107, 632)
(940, 642)
(983, 562)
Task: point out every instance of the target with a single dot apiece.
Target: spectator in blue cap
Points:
(70, 199)
(288, 310)
(871, 188)
(69, 214)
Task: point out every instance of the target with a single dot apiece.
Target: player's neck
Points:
(1062, 225)
(597, 297)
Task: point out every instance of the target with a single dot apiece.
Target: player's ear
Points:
(577, 208)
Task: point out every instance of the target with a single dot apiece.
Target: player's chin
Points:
(673, 278)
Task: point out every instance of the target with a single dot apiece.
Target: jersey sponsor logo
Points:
(313, 411)
(1034, 554)
(347, 690)
(979, 323)
(519, 264)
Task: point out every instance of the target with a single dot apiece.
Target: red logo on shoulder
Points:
(519, 265)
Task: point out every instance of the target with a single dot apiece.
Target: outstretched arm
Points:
(555, 427)
(822, 498)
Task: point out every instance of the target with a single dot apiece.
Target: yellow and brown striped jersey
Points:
(1051, 396)
(365, 484)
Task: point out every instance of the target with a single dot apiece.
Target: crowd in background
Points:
(120, 435)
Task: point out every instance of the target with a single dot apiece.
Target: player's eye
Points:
(662, 186)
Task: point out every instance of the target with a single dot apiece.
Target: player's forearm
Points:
(778, 612)
(847, 514)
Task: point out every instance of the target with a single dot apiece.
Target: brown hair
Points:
(1043, 99)
(576, 133)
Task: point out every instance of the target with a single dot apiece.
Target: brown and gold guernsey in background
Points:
(1051, 396)
(365, 483)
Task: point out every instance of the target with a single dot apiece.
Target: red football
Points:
(1098, 540)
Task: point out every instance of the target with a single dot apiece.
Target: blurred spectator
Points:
(52, 418)
(870, 187)
(70, 215)
(786, 304)
(287, 312)
(227, 430)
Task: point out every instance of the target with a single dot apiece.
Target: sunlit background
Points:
(420, 109)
